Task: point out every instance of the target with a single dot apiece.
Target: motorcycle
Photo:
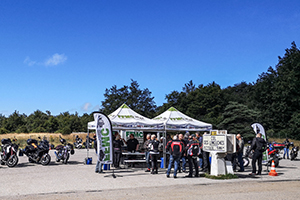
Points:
(9, 153)
(78, 143)
(37, 152)
(63, 151)
(294, 151)
(88, 143)
(273, 154)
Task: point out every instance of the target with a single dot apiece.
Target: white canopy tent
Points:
(174, 120)
(125, 118)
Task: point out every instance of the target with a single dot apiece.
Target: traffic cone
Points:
(273, 171)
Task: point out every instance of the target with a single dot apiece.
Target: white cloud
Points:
(55, 60)
(86, 106)
(29, 62)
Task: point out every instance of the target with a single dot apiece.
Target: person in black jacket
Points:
(175, 147)
(117, 144)
(258, 146)
(193, 151)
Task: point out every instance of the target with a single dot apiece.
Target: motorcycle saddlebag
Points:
(6, 141)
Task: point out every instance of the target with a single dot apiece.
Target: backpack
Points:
(153, 146)
(176, 147)
(194, 150)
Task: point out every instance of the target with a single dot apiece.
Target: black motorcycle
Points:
(88, 143)
(78, 143)
(63, 151)
(37, 152)
(9, 153)
(294, 151)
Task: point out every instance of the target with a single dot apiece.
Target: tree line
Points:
(272, 100)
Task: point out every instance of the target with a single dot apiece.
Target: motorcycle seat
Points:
(58, 147)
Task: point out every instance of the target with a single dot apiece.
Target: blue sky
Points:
(62, 55)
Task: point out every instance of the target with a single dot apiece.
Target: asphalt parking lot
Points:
(78, 181)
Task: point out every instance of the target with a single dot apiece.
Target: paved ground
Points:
(78, 181)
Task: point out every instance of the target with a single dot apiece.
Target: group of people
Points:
(187, 147)
(184, 148)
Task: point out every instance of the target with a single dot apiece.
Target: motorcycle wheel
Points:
(45, 160)
(12, 161)
(67, 158)
(292, 156)
(276, 162)
(246, 161)
(79, 147)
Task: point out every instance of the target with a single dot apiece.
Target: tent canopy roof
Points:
(175, 120)
(125, 118)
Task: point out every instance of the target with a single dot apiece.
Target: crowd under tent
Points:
(126, 121)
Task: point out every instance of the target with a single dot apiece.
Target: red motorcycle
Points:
(273, 154)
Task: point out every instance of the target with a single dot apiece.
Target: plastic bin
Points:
(106, 167)
(162, 162)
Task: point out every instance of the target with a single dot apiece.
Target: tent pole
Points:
(164, 147)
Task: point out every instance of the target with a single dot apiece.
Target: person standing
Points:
(199, 137)
(206, 164)
(147, 153)
(175, 147)
(98, 168)
(154, 153)
(287, 145)
(132, 146)
(240, 151)
(193, 151)
(183, 157)
(258, 146)
(117, 144)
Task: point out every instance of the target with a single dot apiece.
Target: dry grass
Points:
(53, 138)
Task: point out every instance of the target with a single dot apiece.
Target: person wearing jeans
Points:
(176, 161)
(286, 148)
(147, 153)
(240, 151)
(176, 148)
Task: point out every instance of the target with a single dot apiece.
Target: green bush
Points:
(66, 131)
(3, 131)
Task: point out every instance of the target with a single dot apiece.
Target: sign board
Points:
(220, 143)
(218, 132)
(215, 143)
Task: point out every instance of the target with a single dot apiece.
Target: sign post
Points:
(218, 143)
